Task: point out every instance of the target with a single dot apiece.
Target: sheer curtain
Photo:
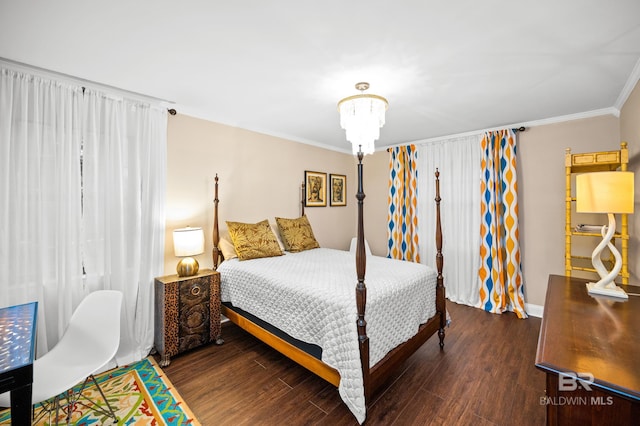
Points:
(82, 186)
(124, 163)
(459, 163)
(40, 199)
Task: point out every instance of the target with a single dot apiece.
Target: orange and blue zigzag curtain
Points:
(501, 283)
(403, 202)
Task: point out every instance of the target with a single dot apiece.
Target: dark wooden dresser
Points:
(187, 313)
(589, 347)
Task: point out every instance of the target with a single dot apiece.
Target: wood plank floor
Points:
(484, 376)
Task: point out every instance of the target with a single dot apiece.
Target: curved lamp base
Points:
(611, 290)
(606, 286)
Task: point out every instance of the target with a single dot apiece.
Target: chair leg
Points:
(72, 398)
(70, 404)
(111, 413)
(75, 398)
(46, 409)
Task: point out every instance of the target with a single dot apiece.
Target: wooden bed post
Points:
(216, 234)
(304, 195)
(440, 292)
(361, 289)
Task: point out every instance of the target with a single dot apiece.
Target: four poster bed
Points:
(301, 303)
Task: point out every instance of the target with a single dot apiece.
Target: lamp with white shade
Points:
(188, 242)
(610, 193)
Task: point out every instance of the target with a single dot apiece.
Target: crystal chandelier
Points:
(362, 116)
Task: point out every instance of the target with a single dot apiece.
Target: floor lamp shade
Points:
(188, 242)
(605, 192)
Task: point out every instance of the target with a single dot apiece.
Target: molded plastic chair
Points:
(90, 341)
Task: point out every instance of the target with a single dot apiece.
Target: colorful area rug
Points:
(139, 394)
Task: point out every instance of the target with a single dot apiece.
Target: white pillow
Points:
(276, 232)
(226, 247)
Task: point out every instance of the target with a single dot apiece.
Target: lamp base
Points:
(610, 289)
(187, 267)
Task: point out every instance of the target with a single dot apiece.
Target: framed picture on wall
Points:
(338, 188)
(315, 189)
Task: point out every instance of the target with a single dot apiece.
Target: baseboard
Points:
(534, 310)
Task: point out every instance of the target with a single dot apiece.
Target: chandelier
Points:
(362, 116)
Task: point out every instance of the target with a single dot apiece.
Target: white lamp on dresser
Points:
(610, 193)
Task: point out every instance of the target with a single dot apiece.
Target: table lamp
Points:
(605, 192)
(188, 242)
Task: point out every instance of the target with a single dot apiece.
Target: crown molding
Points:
(552, 120)
(632, 81)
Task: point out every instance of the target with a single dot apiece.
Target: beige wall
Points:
(260, 178)
(542, 193)
(630, 132)
(376, 202)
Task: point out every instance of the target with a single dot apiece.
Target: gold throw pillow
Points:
(296, 234)
(253, 240)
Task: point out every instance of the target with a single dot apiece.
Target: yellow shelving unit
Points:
(586, 163)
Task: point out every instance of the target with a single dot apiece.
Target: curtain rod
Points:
(82, 81)
(457, 136)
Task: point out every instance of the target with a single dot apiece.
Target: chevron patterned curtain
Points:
(502, 287)
(403, 202)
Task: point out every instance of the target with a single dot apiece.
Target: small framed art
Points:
(338, 187)
(315, 189)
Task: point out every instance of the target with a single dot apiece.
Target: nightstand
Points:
(187, 313)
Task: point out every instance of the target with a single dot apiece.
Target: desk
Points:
(17, 344)
(589, 347)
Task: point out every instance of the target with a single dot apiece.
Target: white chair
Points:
(89, 343)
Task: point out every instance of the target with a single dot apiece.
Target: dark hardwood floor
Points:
(484, 376)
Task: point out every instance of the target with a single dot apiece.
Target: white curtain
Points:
(459, 163)
(82, 187)
(40, 206)
(124, 163)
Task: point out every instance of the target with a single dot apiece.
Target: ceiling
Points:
(279, 67)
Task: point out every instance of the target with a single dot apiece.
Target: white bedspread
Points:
(311, 296)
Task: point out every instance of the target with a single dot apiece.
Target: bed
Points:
(305, 305)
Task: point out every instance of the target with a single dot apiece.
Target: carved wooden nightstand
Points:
(187, 313)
